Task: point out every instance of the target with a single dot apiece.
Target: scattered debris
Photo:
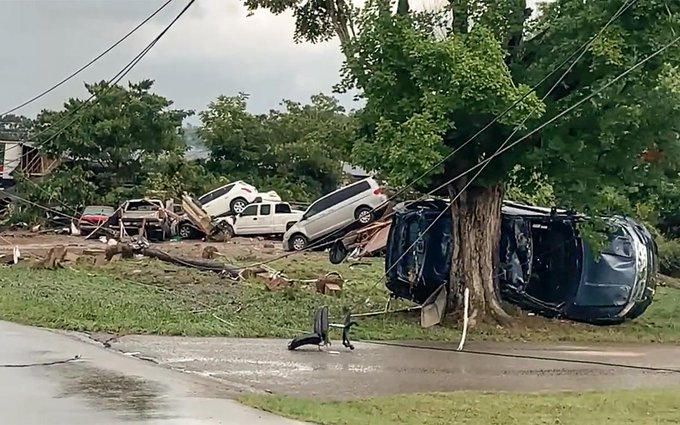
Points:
(330, 284)
(363, 242)
(55, 257)
(124, 250)
(16, 254)
(319, 335)
(209, 252)
(75, 231)
(276, 283)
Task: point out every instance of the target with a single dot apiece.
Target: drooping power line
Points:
(87, 65)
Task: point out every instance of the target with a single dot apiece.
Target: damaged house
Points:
(545, 266)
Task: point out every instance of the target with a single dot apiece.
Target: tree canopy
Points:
(297, 150)
(431, 80)
(625, 140)
(112, 146)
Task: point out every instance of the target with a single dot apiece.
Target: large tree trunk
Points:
(476, 227)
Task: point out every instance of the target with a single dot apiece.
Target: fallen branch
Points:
(205, 265)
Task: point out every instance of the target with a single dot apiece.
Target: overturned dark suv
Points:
(545, 266)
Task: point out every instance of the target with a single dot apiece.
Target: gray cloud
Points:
(214, 49)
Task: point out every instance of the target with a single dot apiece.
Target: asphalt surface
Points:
(245, 365)
(41, 383)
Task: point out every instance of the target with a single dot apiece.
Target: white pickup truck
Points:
(262, 218)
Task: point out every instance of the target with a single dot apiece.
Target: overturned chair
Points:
(319, 335)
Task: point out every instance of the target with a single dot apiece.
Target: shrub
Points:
(669, 256)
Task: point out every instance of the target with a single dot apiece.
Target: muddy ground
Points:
(239, 248)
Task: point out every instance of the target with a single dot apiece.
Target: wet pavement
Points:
(41, 381)
(266, 365)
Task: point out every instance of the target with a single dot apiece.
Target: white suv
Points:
(233, 198)
(337, 210)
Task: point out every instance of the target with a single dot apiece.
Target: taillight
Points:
(378, 191)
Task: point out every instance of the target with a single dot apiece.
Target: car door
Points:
(265, 220)
(353, 197)
(315, 220)
(247, 222)
(282, 216)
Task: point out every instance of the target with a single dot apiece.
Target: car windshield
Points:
(143, 206)
(98, 210)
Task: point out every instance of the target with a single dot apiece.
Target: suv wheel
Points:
(238, 205)
(298, 242)
(364, 215)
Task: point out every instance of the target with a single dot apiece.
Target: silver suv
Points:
(337, 210)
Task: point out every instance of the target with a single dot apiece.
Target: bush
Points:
(669, 256)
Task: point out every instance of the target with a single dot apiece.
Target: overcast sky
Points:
(215, 48)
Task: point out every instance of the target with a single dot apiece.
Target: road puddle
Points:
(128, 397)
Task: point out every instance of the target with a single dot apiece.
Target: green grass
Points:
(151, 297)
(470, 408)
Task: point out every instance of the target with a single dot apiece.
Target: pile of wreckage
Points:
(139, 247)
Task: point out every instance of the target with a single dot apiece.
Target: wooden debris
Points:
(276, 284)
(330, 284)
(124, 250)
(55, 257)
(209, 252)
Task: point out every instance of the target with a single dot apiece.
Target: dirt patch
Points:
(235, 250)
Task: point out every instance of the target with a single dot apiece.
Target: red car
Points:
(93, 217)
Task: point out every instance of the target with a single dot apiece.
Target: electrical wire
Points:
(87, 65)
(53, 363)
(528, 357)
(580, 52)
(483, 164)
(35, 204)
(111, 83)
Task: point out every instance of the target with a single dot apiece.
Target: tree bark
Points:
(476, 230)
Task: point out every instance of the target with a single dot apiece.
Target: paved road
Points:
(103, 387)
(258, 365)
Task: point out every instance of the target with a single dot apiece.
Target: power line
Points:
(483, 164)
(113, 80)
(582, 49)
(87, 65)
(35, 204)
(109, 85)
(528, 357)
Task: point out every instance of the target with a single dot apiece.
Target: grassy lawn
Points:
(621, 407)
(144, 296)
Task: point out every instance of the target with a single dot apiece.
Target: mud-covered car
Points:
(545, 266)
(149, 215)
